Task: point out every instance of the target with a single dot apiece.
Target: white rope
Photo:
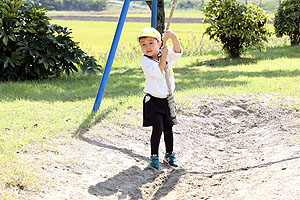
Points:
(171, 97)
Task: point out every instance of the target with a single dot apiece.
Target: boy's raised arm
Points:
(170, 34)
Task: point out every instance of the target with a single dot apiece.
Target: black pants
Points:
(157, 130)
(156, 113)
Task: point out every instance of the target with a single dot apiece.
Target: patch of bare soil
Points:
(242, 148)
(180, 20)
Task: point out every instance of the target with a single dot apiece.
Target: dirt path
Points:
(128, 19)
(228, 149)
(180, 20)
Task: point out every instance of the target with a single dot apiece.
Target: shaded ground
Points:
(241, 148)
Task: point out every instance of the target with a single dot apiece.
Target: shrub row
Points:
(187, 4)
(77, 5)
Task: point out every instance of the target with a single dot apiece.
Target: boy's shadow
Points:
(129, 183)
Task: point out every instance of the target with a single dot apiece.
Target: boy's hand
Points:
(168, 34)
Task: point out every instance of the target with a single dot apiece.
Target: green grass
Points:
(273, 72)
(35, 110)
(15, 174)
(98, 36)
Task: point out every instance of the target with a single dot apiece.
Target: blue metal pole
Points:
(154, 14)
(111, 55)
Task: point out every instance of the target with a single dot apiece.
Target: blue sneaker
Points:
(171, 160)
(154, 162)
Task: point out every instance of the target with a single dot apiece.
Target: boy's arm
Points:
(176, 44)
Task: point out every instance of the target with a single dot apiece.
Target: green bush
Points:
(287, 21)
(32, 48)
(237, 27)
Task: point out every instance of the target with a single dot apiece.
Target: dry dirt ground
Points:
(239, 148)
(128, 19)
(131, 19)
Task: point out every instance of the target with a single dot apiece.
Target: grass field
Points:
(98, 36)
(33, 112)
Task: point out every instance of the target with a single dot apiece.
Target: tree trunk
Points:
(160, 26)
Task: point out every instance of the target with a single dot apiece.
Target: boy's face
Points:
(150, 46)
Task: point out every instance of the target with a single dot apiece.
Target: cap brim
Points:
(146, 35)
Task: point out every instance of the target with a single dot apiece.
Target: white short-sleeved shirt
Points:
(155, 83)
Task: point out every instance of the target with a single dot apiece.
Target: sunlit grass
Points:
(98, 36)
(35, 110)
(96, 39)
(277, 76)
(15, 175)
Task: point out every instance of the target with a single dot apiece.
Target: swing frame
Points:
(114, 46)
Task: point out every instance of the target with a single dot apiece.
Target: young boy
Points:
(156, 112)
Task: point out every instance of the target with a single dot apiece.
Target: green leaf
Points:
(6, 6)
(6, 63)
(5, 40)
(31, 30)
(12, 37)
(46, 64)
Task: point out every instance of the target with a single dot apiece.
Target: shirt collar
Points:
(159, 55)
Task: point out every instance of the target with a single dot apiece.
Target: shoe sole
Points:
(153, 167)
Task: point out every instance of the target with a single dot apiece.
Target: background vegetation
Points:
(84, 5)
(268, 5)
(99, 5)
(287, 21)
